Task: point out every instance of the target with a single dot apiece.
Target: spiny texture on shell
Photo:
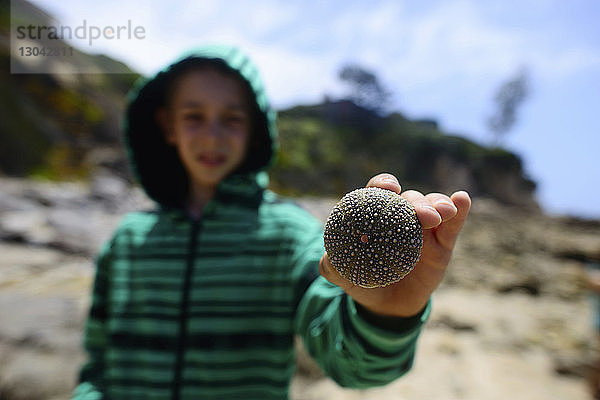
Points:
(373, 237)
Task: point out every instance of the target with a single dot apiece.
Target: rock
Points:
(38, 375)
(108, 189)
(448, 321)
(574, 365)
(13, 202)
(79, 230)
(529, 285)
(66, 216)
(62, 195)
(25, 226)
(43, 304)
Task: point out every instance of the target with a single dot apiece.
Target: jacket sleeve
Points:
(91, 376)
(355, 348)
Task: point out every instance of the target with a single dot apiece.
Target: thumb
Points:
(328, 271)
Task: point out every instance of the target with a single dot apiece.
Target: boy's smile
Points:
(212, 160)
(208, 122)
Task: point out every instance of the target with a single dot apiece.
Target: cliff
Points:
(331, 148)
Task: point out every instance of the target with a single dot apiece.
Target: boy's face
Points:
(209, 123)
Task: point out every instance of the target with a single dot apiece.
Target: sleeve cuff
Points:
(395, 324)
(386, 333)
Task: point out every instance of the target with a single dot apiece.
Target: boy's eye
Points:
(235, 118)
(192, 117)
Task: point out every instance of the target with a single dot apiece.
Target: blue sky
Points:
(441, 59)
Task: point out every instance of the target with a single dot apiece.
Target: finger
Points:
(447, 233)
(385, 181)
(426, 212)
(443, 205)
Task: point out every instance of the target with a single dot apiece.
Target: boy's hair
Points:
(257, 155)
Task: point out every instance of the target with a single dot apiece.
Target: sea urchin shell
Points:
(373, 237)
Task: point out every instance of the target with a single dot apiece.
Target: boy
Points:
(202, 297)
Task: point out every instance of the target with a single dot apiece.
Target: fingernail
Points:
(443, 203)
(388, 179)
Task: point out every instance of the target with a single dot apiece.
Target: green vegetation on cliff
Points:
(49, 122)
(332, 148)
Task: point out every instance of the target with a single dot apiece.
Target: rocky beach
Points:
(512, 319)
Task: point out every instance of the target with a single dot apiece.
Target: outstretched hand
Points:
(442, 218)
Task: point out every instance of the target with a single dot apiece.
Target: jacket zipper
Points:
(185, 310)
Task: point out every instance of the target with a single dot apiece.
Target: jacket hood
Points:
(156, 164)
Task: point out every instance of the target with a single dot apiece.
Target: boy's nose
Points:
(214, 129)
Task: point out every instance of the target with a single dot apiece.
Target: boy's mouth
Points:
(211, 160)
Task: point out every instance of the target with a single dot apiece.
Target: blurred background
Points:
(500, 99)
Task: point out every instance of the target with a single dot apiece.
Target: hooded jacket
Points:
(208, 309)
